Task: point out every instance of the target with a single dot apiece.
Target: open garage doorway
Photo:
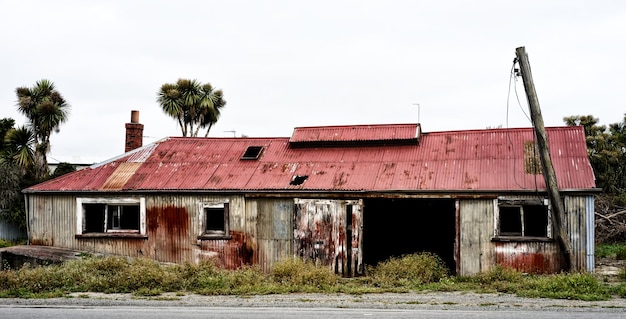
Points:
(394, 227)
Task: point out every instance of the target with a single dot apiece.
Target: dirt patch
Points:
(609, 267)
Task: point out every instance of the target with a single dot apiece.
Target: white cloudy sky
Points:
(283, 64)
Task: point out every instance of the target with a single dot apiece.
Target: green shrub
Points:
(497, 274)
(610, 250)
(8, 243)
(621, 254)
(409, 270)
(295, 272)
(581, 286)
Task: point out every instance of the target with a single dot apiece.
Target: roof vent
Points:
(252, 153)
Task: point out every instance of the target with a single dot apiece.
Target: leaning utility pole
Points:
(544, 154)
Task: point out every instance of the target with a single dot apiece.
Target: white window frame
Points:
(80, 213)
(497, 203)
(213, 234)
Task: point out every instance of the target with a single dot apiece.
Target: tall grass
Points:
(410, 272)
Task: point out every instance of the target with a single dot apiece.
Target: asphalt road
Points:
(303, 306)
(281, 312)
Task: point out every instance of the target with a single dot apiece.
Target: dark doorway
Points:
(394, 227)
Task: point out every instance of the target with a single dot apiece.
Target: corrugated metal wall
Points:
(274, 229)
(575, 223)
(328, 232)
(10, 231)
(265, 230)
(529, 256)
(590, 215)
(476, 251)
(173, 226)
(55, 221)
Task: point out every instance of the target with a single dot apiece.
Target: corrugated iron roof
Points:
(398, 133)
(492, 159)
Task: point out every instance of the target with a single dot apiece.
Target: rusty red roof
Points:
(326, 135)
(476, 160)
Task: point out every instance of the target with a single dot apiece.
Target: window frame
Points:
(521, 203)
(81, 221)
(206, 234)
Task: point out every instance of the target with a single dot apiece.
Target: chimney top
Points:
(134, 116)
(134, 132)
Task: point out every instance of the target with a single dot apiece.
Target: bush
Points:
(581, 286)
(497, 274)
(295, 272)
(409, 270)
(610, 250)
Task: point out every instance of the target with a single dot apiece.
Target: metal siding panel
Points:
(476, 229)
(575, 226)
(591, 227)
(274, 229)
(10, 231)
(529, 257)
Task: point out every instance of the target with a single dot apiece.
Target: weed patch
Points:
(417, 272)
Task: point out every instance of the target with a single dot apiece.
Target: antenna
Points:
(418, 111)
(233, 131)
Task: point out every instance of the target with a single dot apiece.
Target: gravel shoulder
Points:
(412, 300)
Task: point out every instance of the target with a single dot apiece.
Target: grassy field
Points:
(416, 272)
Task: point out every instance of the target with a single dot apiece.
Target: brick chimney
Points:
(134, 132)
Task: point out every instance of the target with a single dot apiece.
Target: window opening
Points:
(510, 221)
(100, 218)
(110, 215)
(252, 152)
(216, 220)
(523, 219)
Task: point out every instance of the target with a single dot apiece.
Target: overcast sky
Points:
(284, 64)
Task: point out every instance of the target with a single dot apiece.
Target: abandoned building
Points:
(342, 196)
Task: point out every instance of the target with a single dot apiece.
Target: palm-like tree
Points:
(19, 147)
(194, 105)
(46, 110)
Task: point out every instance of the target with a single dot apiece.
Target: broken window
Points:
(523, 218)
(216, 220)
(110, 216)
(298, 180)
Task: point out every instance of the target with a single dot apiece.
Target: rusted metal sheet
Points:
(231, 254)
(355, 133)
(328, 232)
(173, 227)
(120, 176)
(529, 257)
(480, 160)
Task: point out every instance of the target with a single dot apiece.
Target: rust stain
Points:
(388, 167)
(469, 180)
(120, 176)
(340, 180)
(169, 226)
(231, 253)
(215, 179)
(529, 257)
